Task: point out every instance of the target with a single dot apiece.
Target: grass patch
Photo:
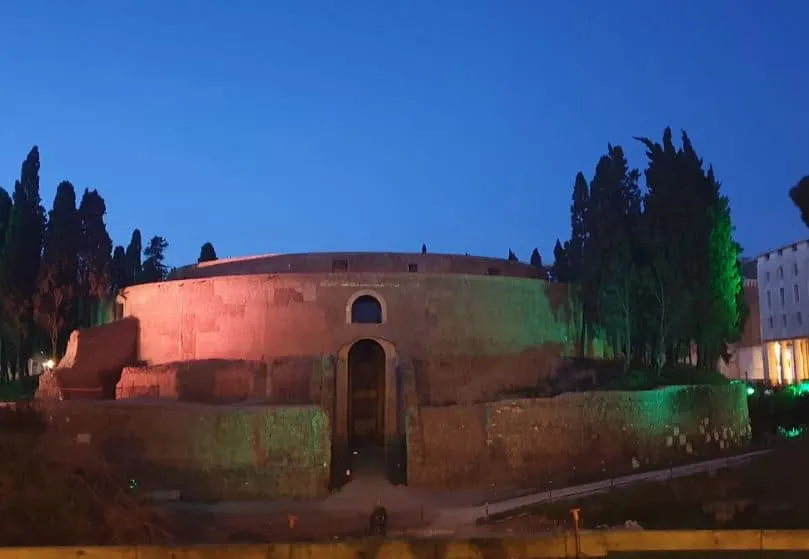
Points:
(19, 390)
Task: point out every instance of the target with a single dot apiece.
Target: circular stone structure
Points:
(365, 335)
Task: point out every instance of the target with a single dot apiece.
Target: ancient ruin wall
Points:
(205, 452)
(459, 328)
(295, 380)
(359, 262)
(550, 442)
(92, 362)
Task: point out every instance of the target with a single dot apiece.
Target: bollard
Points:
(575, 514)
(378, 522)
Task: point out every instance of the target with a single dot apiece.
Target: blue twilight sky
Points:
(268, 126)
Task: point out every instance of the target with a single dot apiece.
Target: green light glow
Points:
(798, 389)
(750, 390)
(792, 432)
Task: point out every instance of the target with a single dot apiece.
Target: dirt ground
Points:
(255, 528)
(767, 493)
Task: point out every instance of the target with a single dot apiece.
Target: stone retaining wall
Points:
(550, 442)
(205, 452)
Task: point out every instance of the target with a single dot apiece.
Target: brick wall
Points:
(573, 436)
(293, 380)
(207, 452)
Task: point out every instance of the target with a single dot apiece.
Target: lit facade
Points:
(783, 290)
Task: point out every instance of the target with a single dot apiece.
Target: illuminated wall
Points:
(518, 327)
(206, 452)
(550, 442)
(783, 292)
(787, 361)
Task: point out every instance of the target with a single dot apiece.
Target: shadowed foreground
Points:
(749, 543)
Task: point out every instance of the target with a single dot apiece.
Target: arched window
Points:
(366, 310)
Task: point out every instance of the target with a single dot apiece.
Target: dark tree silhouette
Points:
(536, 259)
(119, 275)
(424, 248)
(207, 253)
(799, 194)
(561, 266)
(95, 254)
(58, 274)
(154, 268)
(20, 259)
(133, 261)
(512, 257)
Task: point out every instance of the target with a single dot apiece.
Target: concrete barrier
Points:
(558, 546)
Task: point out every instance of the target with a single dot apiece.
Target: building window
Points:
(338, 266)
(795, 268)
(493, 272)
(366, 310)
(768, 276)
(780, 272)
(784, 319)
(797, 293)
(412, 267)
(781, 293)
(798, 318)
(769, 321)
(769, 299)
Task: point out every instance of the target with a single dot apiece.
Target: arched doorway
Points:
(366, 395)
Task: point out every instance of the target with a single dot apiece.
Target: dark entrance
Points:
(366, 395)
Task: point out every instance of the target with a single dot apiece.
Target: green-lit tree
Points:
(611, 270)
(207, 253)
(154, 267)
(665, 224)
(693, 262)
(95, 254)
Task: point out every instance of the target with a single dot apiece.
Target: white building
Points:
(783, 292)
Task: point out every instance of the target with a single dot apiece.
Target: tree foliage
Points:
(657, 271)
(207, 253)
(20, 259)
(57, 272)
(133, 261)
(53, 303)
(154, 267)
(799, 194)
(119, 273)
(536, 259)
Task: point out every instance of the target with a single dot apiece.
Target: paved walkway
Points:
(453, 518)
(446, 512)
